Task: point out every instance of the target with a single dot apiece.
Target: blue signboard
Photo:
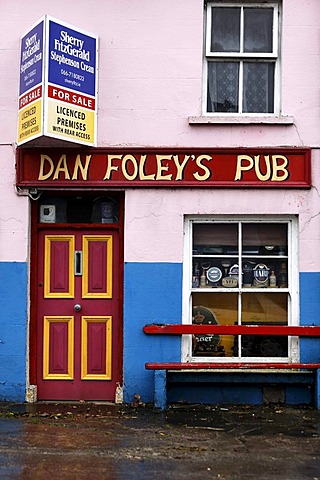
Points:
(31, 58)
(72, 59)
(58, 83)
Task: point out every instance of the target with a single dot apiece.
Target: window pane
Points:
(223, 84)
(207, 235)
(215, 251)
(225, 33)
(262, 234)
(258, 25)
(214, 309)
(258, 87)
(265, 250)
(264, 309)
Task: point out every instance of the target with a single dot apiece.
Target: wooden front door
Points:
(78, 324)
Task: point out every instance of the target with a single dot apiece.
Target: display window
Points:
(241, 272)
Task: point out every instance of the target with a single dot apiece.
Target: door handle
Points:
(77, 307)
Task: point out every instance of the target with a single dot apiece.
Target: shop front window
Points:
(241, 272)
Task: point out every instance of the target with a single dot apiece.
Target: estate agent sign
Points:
(164, 167)
(58, 83)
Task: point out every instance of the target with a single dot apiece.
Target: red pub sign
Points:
(164, 167)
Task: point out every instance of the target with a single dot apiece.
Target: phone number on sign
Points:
(76, 76)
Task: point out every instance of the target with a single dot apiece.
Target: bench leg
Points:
(160, 389)
(317, 389)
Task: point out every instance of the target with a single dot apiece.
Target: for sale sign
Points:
(64, 106)
(70, 112)
(30, 121)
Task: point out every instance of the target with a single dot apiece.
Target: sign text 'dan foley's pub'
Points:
(58, 83)
(164, 167)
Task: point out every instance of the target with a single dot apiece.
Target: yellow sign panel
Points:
(30, 121)
(69, 121)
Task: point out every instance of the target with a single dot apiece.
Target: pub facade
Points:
(165, 171)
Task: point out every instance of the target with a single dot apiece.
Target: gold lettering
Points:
(163, 168)
(241, 167)
(261, 177)
(142, 175)
(43, 160)
(84, 169)
(180, 166)
(111, 167)
(126, 174)
(279, 168)
(207, 171)
(62, 167)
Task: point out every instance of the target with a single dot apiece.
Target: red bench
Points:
(167, 371)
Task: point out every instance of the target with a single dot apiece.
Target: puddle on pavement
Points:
(81, 441)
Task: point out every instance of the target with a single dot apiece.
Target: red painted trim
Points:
(229, 365)
(165, 167)
(35, 229)
(120, 285)
(33, 295)
(277, 330)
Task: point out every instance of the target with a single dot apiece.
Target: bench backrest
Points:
(277, 330)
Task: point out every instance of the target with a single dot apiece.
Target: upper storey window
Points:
(242, 59)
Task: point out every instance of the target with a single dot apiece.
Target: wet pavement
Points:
(134, 442)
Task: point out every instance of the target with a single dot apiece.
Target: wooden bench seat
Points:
(166, 373)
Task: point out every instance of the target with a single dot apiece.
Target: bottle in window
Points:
(283, 276)
(272, 279)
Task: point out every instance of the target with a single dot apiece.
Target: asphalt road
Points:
(103, 441)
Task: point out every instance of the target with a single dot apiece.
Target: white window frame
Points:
(292, 290)
(241, 56)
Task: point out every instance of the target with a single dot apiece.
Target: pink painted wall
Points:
(149, 84)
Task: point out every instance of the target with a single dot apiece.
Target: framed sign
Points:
(164, 167)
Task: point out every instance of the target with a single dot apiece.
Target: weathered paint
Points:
(143, 87)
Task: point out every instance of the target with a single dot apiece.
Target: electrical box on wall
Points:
(47, 213)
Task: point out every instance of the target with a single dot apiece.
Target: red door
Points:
(78, 324)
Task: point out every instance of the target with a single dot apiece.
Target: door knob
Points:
(77, 307)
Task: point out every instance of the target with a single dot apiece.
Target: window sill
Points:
(241, 120)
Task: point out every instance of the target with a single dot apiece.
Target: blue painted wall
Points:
(153, 294)
(310, 314)
(13, 328)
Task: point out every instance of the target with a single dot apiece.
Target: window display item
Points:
(261, 275)
(226, 264)
(203, 279)
(229, 282)
(272, 280)
(283, 276)
(205, 345)
(234, 272)
(214, 275)
(247, 270)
